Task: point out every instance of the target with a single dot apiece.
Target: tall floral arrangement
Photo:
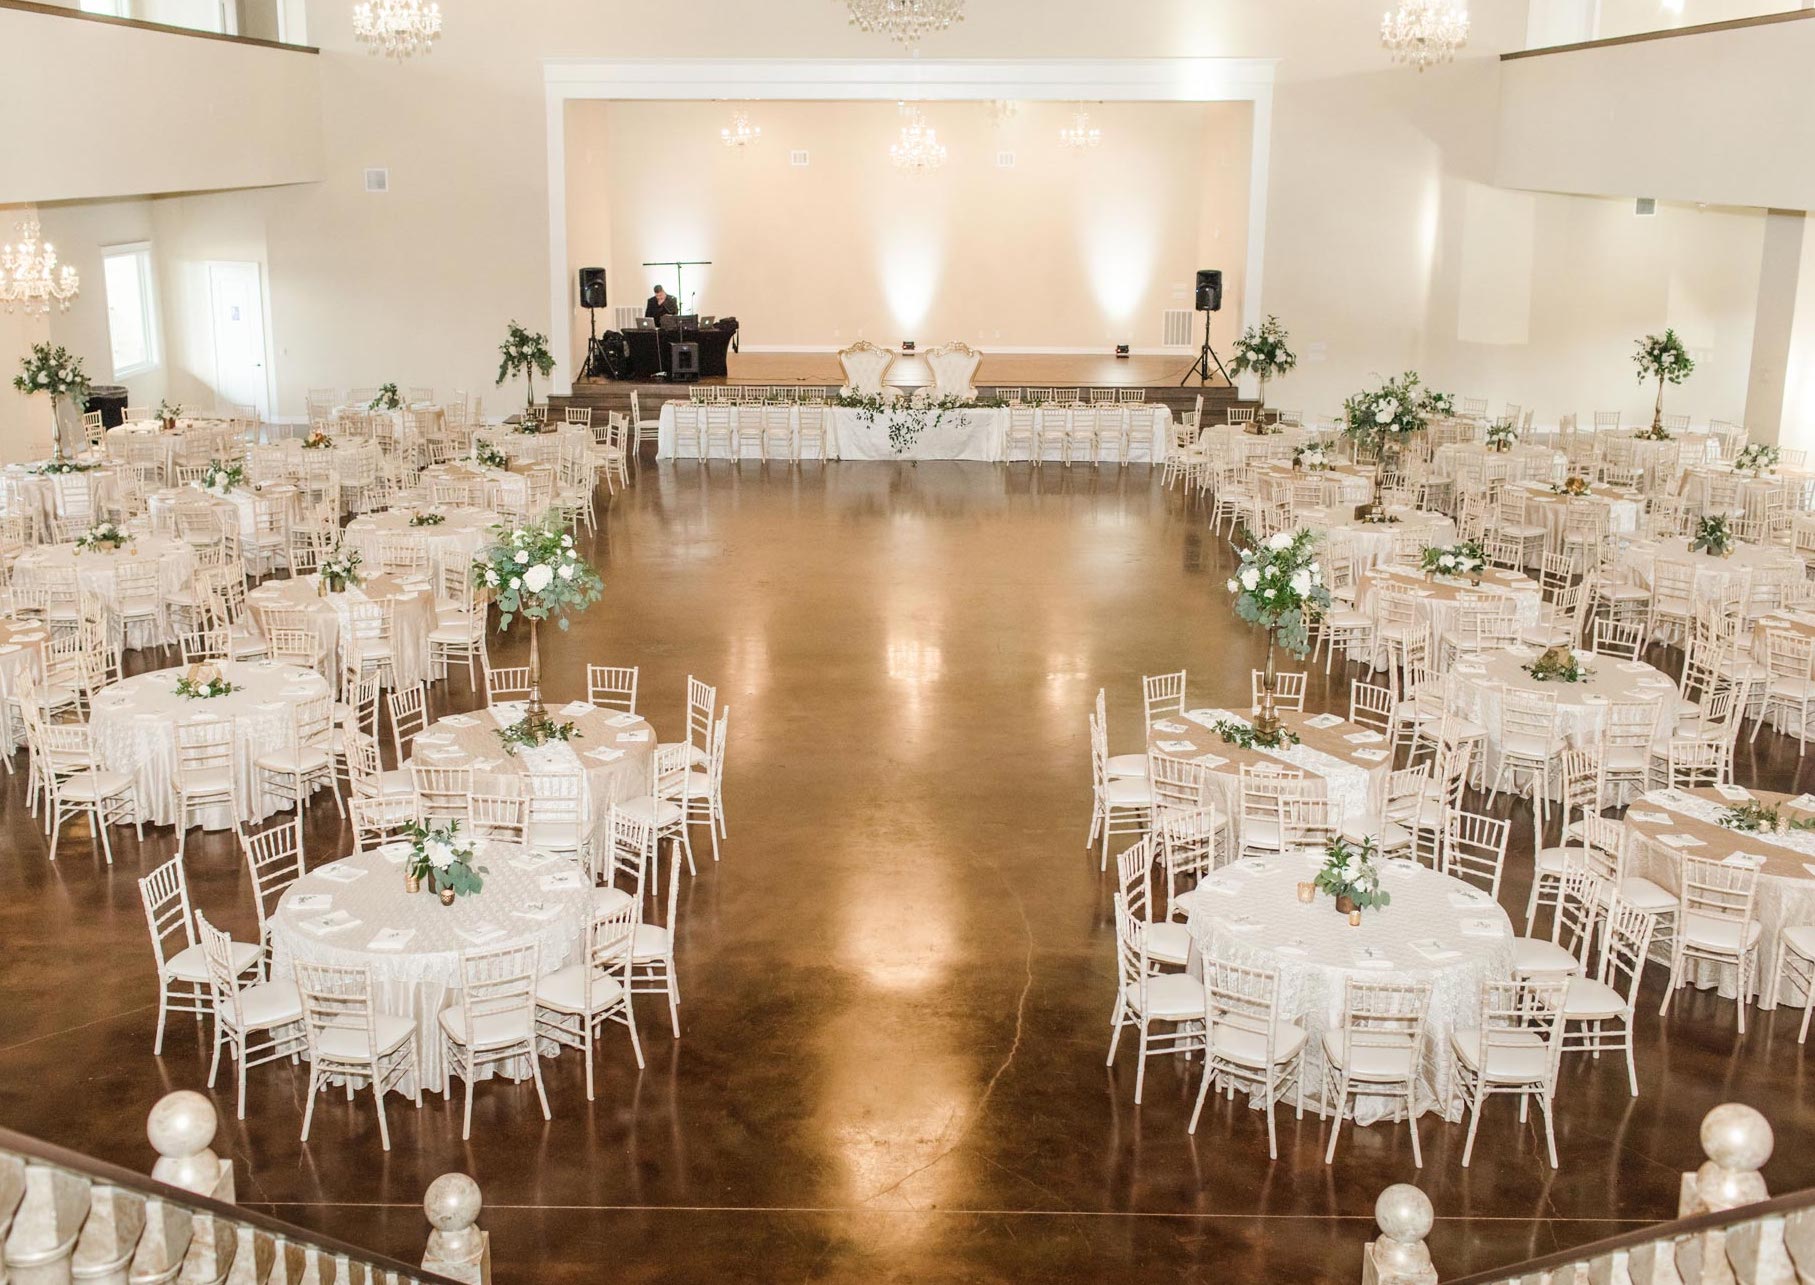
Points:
(535, 572)
(1263, 351)
(524, 353)
(58, 373)
(1277, 586)
(1382, 417)
(1665, 359)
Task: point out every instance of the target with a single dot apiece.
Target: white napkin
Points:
(563, 881)
(480, 933)
(1595, 700)
(1465, 899)
(1252, 866)
(623, 718)
(396, 852)
(1210, 760)
(1634, 667)
(333, 921)
(1321, 721)
(1168, 726)
(1372, 957)
(637, 737)
(1681, 841)
(6, 648)
(340, 872)
(308, 901)
(1733, 793)
(605, 755)
(540, 911)
(1745, 860)
(1364, 738)
(1177, 747)
(1434, 950)
(533, 861)
(1649, 818)
(1481, 926)
(458, 720)
(1371, 756)
(433, 738)
(391, 939)
(1806, 802)
(1220, 884)
(1202, 717)
(1242, 924)
(574, 709)
(485, 765)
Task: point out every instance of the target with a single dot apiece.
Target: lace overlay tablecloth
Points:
(1249, 913)
(1351, 774)
(1786, 880)
(191, 437)
(97, 570)
(134, 725)
(1708, 486)
(22, 652)
(331, 616)
(423, 977)
(1474, 461)
(1353, 483)
(1581, 707)
(235, 507)
(1234, 442)
(1370, 543)
(40, 495)
(1437, 598)
(487, 488)
(1625, 509)
(356, 459)
(974, 434)
(614, 752)
(1763, 563)
(453, 543)
(538, 448)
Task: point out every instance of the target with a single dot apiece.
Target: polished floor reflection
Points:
(896, 986)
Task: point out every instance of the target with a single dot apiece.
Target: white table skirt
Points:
(1763, 563)
(453, 543)
(237, 506)
(977, 434)
(412, 617)
(1473, 461)
(1370, 543)
(44, 496)
(97, 569)
(1312, 948)
(134, 724)
(423, 978)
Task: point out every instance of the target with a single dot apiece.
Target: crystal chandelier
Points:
(740, 133)
(919, 149)
(1422, 32)
(905, 21)
(398, 28)
(29, 275)
(1080, 135)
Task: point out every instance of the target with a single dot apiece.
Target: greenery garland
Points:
(1753, 817)
(1558, 664)
(1247, 738)
(203, 688)
(525, 734)
(427, 519)
(911, 417)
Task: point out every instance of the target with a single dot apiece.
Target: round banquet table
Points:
(529, 898)
(134, 723)
(1786, 880)
(613, 753)
(1345, 483)
(355, 460)
(331, 616)
(97, 570)
(22, 644)
(191, 438)
(1352, 762)
(1370, 543)
(487, 488)
(538, 448)
(1248, 913)
(1477, 461)
(1722, 487)
(1581, 707)
(453, 543)
(44, 496)
(235, 507)
(1625, 508)
(1763, 563)
(1437, 598)
(1234, 441)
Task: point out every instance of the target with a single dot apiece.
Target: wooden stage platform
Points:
(1159, 375)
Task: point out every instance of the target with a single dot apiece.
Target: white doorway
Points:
(237, 306)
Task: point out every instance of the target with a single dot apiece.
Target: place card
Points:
(1177, 747)
(1222, 884)
(481, 932)
(1802, 802)
(333, 921)
(1733, 793)
(1681, 841)
(1323, 721)
(1744, 860)
(1649, 818)
(563, 881)
(1372, 957)
(623, 718)
(341, 872)
(459, 720)
(1481, 926)
(1467, 898)
(1364, 738)
(1168, 726)
(1434, 950)
(540, 911)
(1370, 756)
(637, 737)
(1242, 924)
(309, 901)
(577, 709)
(391, 939)
(605, 755)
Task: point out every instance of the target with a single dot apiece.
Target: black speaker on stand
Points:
(592, 298)
(1208, 299)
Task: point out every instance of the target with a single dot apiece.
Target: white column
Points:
(1780, 392)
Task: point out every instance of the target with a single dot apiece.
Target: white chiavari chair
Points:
(496, 1018)
(1512, 1051)
(257, 1023)
(1377, 1050)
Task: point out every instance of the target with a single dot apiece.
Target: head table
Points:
(1436, 930)
(355, 912)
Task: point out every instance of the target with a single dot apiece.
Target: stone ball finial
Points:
(1736, 1137)
(180, 1127)
(452, 1203)
(1404, 1213)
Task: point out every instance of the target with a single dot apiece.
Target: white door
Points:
(237, 304)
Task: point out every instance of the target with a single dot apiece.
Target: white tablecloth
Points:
(1371, 543)
(1581, 707)
(134, 730)
(97, 571)
(331, 615)
(197, 439)
(1722, 488)
(487, 488)
(23, 646)
(976, 434)
(43, 496)
(236, 506)
(1763, 563)
(423, 977)
(1235, 443)
(1475, 461)
(539, 448)
(1438, 599)
(1625, 509)
(453, 543)
(355, 459)
(1252, 916)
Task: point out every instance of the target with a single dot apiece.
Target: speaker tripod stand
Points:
(1201, 367)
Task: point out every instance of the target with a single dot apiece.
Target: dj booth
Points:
(651, 351)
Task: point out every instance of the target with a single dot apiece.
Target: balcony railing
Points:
(258, 22)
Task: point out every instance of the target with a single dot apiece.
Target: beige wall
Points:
(1064, 250)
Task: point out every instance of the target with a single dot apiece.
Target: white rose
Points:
(1234, 586)
(1249, 577)
(566, 572)
(1279, 540)
(1266, 593)
(522, 557)
(516, 582)
(440, 855)
(1301, 583)
(1383, 416)
(491, 577)
(537, 577)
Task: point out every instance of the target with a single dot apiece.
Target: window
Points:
(112, 8)
(131, 317)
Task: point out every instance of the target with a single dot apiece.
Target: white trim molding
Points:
(1131, 80)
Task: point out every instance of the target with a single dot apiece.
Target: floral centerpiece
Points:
(443, 860)
(1574, 484)
(1350, 875)
(104, 535)
(169, 413)
(1713, 535)
(1502, 435)
(219, 478)
(62, 464)
(1760, 457)
(1249, 738)
(906, 415)
(535, 572)
(524, 353)
(57, 373)
(340, 570)
(525, 735)
(1310, 456)
(430, 518)
(530, 426)
(1277, 586)
(203, 682)
(1560, 665)
(1753, 817)
(1436, 405)
(388, 399)
(1463, 559)
(1263, 352)
(488, 455)
(317, 440)
(1383, 417)
(1665, 359)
